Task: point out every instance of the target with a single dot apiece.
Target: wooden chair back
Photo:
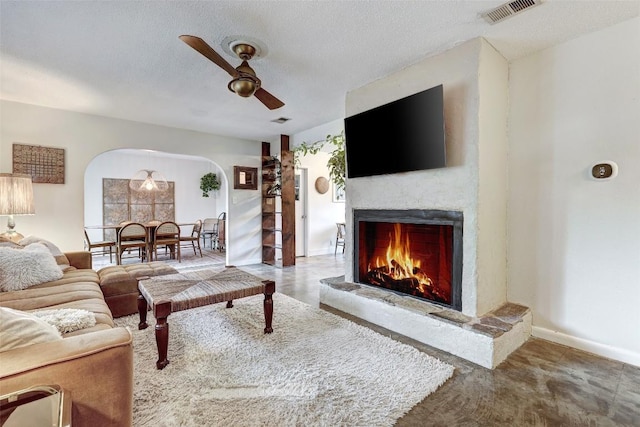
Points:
(131, 236)
(340, 235)
(197, 227)
(167, 234)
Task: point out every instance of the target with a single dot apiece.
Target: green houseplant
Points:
(209, 182)
(337, 161)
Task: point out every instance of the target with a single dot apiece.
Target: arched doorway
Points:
(183, 171)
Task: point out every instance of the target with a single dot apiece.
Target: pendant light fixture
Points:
(148, 180)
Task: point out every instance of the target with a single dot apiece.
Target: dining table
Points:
(148, 225)
(150, 228)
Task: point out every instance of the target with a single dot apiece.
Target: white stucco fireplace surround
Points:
(488, 328)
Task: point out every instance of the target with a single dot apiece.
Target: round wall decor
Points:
(322, 185)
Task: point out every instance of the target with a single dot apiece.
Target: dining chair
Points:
(103, 244)
(340, 235)
(209, 226)
(219, 235)
(133, 235)
(193, 238)
(167, 234)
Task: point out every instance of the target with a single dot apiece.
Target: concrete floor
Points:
(540, 384)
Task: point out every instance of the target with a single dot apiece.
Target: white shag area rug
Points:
(315, 369)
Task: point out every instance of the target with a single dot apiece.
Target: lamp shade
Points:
(148, 180)
(16, 194)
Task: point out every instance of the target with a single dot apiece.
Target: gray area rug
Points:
(315, 369)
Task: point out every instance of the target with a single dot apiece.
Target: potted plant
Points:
(208, 183)
(337, 161)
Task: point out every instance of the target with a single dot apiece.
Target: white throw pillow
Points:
(19, 329)
(22, 268)
(61, 258)
(67, 320)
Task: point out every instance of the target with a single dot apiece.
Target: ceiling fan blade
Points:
(201, 46)
(267, 99)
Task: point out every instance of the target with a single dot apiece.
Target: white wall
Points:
(60, 208)
(493, 92)
(322, 212)
(574, 243)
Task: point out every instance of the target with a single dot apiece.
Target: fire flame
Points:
(398, 260)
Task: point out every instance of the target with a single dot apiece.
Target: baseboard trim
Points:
(317, 252)
(610, 352)
(247, 261)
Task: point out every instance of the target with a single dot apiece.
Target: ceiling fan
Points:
(245, 82)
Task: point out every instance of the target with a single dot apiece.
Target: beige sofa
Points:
(94, 365)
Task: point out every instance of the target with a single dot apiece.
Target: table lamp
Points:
(16, 198)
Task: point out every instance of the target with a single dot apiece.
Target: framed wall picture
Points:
(245, 178)
(338, 194)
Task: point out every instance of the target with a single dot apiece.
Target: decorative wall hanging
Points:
(322, 185)
(121, 203)
(245, 178)
(43, 164)
(338, 194)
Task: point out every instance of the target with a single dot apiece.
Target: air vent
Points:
(281, 120)
(507, 10)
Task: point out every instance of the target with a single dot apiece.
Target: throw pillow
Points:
(19, 329)
(22, 268)
(67, 320)
(60, 257)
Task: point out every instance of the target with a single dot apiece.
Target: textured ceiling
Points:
(123, 59)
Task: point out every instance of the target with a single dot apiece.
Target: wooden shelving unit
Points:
(278, 206)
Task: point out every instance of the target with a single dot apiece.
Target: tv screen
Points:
(401, 136)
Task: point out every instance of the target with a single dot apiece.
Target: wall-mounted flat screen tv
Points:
(401, 136)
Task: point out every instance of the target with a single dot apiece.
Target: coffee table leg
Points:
(142, 310)
(269, 289)
(162, 311)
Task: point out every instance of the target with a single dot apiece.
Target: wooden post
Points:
(288, 203)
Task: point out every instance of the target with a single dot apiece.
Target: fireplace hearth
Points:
(412, 252)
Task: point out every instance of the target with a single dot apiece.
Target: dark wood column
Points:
(278, 208)
(288, 203)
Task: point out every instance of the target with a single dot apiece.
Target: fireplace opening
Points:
(412, 252)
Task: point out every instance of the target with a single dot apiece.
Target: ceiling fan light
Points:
(243, 86)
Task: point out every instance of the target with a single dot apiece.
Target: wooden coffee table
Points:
(182, 291)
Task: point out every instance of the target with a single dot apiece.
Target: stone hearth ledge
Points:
(486, 340)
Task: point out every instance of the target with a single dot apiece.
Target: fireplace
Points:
(412, 252)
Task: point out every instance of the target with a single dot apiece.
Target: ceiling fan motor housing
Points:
(247, 82)
(243, 86)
